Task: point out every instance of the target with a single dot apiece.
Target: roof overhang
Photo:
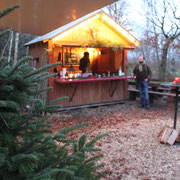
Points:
(57, 34)
(42, 16)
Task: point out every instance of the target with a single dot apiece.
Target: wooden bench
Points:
(134, 92)
(162, 89)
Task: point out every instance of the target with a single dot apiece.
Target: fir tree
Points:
(28, 150)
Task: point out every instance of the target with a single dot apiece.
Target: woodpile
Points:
(168, 135)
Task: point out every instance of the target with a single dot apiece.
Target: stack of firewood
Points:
(168, 135)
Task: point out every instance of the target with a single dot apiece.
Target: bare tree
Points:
(165, 22)
(118, 11)
(10, 46)
(16, 47)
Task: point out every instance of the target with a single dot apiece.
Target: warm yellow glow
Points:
(71, 76)
(99, 52)
(93, 52)
(120, 29)
(75, 27)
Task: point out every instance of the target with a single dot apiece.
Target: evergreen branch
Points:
(82, 141)
(6, 88)
(94, 158)
(46, 77)
(103, 174)
(6, 124)
(63, 170)
(22, 60)
(50, 108)
(67, 141)
(79, 178)
(24, 121)
(2, 60)
(89, 149)
(3, 33)
(41, 91)
(4, 65)
(38, 148)
(67, 130)
(6, 45)
(8, 10)
(75, 148)
(36, 71)
(58, 99)
(20, 157)
(72, 156)
(42, 76)
(95, 140)
(59, 135)
(9, 104)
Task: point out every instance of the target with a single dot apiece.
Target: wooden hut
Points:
(107, 43)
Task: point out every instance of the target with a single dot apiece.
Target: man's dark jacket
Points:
(144, 74)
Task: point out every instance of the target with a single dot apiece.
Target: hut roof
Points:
(64, 28)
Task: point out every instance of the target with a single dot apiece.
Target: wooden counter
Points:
(91, 79)
(90, 91)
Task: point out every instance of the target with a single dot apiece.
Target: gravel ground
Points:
(132, 150)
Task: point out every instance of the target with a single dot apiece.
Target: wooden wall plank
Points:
(89, 92)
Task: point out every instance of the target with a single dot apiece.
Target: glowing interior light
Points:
(75, 27)
(99, 52)
(92, 52)
(70, 76)
(95, 53)
(120, 29)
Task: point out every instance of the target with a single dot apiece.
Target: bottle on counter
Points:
(120, 71)
(66, 76)
(109, 74)
(63, 72)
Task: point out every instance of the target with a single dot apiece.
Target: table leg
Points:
(176, 107)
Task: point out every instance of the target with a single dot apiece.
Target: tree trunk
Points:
(163, 64)
(10, 46)
(16, 48)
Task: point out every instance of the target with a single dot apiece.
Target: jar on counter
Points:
(109, 74)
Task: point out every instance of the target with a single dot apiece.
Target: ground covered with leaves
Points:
(132, 150)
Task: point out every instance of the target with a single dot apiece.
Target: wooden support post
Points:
(125, 64)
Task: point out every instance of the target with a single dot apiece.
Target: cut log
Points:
(178, 138)
(164, 134)
(168, 135)
(172, 138)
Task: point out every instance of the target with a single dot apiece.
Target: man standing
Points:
(143, 75)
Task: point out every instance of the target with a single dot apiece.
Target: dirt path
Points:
(132, 150)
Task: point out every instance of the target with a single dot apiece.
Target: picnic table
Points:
(176, 87)
(155, 89)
